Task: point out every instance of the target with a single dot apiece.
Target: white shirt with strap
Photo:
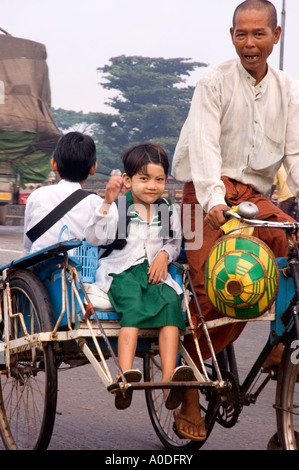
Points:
(43, 200)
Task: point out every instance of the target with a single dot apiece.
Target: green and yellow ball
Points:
(241, 276)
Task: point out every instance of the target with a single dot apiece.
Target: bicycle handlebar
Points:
(251, 211)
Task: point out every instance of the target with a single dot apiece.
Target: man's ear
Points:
(93, 169)
(277, 34)
(231, 30)
(127, 181)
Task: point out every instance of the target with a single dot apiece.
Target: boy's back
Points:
(44, 200)
(74, 159)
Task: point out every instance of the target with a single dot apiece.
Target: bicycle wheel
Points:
(28, 397)
(287, 397)
(161, 418)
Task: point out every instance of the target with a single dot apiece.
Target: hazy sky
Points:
(83, 35)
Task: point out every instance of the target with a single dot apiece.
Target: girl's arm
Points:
(112, 191)
(158, 270)
(173, 245)
(170, 251)
(101, 229)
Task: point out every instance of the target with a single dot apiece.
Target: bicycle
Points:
(223, 401)
(47, 318)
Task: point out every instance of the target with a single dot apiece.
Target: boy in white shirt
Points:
(74, 159)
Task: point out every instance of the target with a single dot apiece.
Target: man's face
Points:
(254, 40)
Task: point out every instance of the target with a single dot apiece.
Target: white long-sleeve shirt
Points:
(43, 200)
(239, 130)
(143, 241)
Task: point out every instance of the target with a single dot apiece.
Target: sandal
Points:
(123, 398)
(175, 395)
(184, 434)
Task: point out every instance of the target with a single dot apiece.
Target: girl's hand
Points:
(113, 188)
(159, 268)
(112, 191)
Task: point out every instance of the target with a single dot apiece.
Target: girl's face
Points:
(147, 187)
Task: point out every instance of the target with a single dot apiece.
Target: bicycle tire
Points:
(28, 397)
(161, 418)
(287, 398)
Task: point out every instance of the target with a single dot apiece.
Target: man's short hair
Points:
(259, 5)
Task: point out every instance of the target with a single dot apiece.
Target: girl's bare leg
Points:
(127, 343)
(168, 346)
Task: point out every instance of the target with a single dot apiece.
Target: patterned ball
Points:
(241, 276)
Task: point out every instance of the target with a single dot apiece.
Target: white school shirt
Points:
(43, 200)
(239, 130)
(143, 241)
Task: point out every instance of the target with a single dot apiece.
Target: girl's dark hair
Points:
(135, 159)
(75, 154)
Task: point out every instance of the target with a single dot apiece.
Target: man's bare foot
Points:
(274, 358)
(188, 421)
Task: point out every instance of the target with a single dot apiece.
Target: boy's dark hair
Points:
(136, 158)
(75, 154)
(259, 5)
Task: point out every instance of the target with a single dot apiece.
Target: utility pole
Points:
(283, 22)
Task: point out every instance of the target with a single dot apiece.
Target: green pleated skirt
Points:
(144, 305)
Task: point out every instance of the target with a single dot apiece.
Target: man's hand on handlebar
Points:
(247, 213)
(215, 217)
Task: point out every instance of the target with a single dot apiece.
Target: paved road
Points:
(11, 243)
(86, 417)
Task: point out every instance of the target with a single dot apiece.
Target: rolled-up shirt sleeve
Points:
(102, 228)
(204, 146)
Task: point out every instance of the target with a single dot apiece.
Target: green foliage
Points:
(68, 120)
(151, 103)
